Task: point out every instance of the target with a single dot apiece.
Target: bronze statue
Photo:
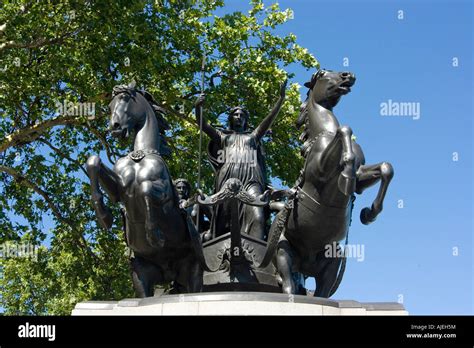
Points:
(164, 242)
(188, 203)
(183, 188)
(319, 210)
(237, 153)
(162, 223)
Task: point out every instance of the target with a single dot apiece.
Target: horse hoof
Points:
(93, 164)
(206, 236)
(365, 216)
(346, 184)
(288, 289)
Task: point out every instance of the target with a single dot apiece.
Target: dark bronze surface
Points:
(223, 245)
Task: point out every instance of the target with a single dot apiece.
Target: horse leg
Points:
(347, 178)
(195, 277)
(326, 274)
(153, 194)
(367, 176)
(346, 158)
(191, 275)
(144, 276)
(284, 261)
(99, 174)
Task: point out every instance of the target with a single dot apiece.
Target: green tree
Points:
(55, 52)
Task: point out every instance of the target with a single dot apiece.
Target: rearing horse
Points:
(166, 247)
(318, 215)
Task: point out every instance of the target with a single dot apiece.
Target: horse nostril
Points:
(345, 74)
(116, 125)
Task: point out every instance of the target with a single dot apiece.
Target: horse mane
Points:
(304, 114)
(301, 120)
(159, 112)
(304, 106)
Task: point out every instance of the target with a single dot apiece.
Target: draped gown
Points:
(241, 156)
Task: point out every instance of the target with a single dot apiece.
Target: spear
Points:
(203, 66)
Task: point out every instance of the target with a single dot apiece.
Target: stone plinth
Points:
(237, 303)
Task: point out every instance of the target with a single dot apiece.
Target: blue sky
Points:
(408, 251)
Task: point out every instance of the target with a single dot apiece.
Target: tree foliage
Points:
(56, 52)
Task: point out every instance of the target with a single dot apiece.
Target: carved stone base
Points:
(236, 303)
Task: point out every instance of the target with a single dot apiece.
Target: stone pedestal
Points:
(237, 303)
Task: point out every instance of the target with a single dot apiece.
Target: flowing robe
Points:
(241, 156)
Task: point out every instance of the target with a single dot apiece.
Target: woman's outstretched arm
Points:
(268, 120)
(206, 127)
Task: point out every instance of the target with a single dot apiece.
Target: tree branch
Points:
(104, 143)
(63, 155)
(184, 115)
(29, 134)
(20, 178)
(37, 43)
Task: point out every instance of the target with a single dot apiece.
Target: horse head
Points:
(129, 109)
(136, 110)
(326, 88)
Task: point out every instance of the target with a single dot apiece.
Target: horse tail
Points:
(339, 277)
(196, 243)
(282, 221)
(341, 271)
